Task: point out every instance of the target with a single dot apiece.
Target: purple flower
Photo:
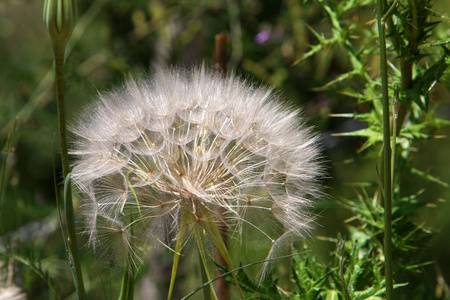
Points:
(263, 36)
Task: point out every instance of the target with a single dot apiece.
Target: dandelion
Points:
(185, 154)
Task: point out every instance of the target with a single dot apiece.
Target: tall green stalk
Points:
(68, 202)
(59, 18)
(387, 184)
(59, 70)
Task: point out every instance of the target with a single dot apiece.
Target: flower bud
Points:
(60, 18)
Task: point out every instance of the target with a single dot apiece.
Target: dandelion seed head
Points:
(194, 143)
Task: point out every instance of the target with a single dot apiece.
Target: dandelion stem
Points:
(386, 155)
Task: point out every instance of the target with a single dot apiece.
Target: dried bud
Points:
(60, 18)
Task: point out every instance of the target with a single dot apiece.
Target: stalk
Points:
(220, 64)
(127, 286)
(5, 152)
(59, 69)
(176, 255)
(208, 292)
(60, 18)
(74, 257)
(387, 184)
(71, 241)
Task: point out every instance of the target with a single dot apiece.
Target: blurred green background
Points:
(116, 38)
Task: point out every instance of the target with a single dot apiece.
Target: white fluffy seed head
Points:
(193, 141)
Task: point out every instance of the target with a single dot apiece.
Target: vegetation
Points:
(323, 56)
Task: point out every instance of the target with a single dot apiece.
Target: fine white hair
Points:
(193, 140)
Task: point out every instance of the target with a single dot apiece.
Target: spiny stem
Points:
(340, 252)
(387, 184)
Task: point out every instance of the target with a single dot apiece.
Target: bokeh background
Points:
(116, 38)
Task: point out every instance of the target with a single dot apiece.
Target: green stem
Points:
(74, 257)
(237, 269)
(127, 288)
(7, 150)
(406, 66)
(59, 69)
(68, 203)
(176, 256)
(213, 232)
(208, 293)
(387, 186)
(340, 251)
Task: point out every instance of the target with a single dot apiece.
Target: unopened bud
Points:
(60, 18)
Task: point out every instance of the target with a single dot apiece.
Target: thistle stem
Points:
(58, 51)
(387, 184)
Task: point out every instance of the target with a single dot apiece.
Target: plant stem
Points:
(6, 151)
(59, 69)
(127, 287)
(220, 64)
(176, 256)
(58, 51)
(74, 257)
(238, 269)
(220, 53)
(340, 252)
(208, 292)
(387, 184)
